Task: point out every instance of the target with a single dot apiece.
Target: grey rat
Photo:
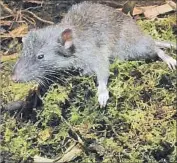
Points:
(87, 37)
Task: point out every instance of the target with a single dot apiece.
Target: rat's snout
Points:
(23, 72)
(18, 73)
(14, 78)
(15, 74)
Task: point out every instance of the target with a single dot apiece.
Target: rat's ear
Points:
(67, 38)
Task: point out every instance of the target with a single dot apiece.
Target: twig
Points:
(29, 19)
(5, 17)
(29, 8)
(33, 1)
(6, 8)
(37, 17)
(79, 138)
(69, 149)
(18, 15)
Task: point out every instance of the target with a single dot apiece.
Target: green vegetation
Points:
(138, 124)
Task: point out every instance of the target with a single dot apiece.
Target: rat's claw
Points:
(172, 63)
(103, 96)
(167, 59)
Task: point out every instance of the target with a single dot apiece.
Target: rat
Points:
(88, 37)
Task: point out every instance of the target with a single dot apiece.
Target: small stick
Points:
(79, 138)
(6, 8)
(5, 17)
(37, 17)
(33, 1)
(29, 19)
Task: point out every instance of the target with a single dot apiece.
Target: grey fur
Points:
(99, 33)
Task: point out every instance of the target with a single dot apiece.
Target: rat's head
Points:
(44, 52)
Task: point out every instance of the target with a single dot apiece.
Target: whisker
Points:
(39, 81)
(42, 81)
(48, 79)
(53, 76)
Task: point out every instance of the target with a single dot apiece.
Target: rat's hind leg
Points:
(172, 63)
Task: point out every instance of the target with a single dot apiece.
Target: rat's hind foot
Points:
(172, 63)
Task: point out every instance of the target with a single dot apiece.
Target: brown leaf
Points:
(154, 12)
(38, 159)
(137, 11)
(17, 32)
(141, 10)
(20, 31)
(71, 153)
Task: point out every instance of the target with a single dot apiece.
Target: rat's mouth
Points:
(16, 79)
(23, 78)
(19, 80)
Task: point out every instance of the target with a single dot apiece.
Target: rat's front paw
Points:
(103, 96)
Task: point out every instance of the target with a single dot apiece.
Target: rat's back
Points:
(108, 28)
(93, 15)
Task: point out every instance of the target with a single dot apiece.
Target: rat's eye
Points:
(40, 56)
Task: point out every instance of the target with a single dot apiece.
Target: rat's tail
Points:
(164, 44)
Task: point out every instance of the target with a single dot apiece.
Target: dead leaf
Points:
(137, 11)
(72, 152)
(154, 12)
(148, 7)
(17, 32)
(172, 4)
(38, 159)
(141, 10)
(20, 31)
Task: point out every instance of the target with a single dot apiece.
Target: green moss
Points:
(55, 95)
(18, 141)
(11, 91)
(160, 29)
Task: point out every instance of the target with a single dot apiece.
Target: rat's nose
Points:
(14, 78)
